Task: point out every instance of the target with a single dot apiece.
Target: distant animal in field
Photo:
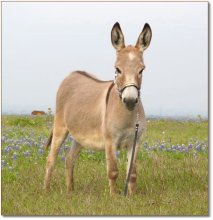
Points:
(35, 112)
(101, 115)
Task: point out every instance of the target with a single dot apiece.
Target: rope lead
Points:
(133, 152)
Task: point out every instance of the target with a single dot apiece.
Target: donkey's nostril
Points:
(130, 102)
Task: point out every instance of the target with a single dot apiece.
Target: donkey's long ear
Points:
(144, 38)
(117, 37)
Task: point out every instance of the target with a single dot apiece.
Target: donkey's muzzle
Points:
(130, 103)
(130, 94)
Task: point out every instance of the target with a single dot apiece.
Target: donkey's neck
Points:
(117, 112)
(119, 104)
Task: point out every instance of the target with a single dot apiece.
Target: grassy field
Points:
(172, 172)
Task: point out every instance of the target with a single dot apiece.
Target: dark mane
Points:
(91, 77)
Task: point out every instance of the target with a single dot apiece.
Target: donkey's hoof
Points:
(46, 189)
(70, 189)
(113, 193)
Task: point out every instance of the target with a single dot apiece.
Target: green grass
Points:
(169, 183)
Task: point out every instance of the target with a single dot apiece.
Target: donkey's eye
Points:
(140, 72)
(118, 71)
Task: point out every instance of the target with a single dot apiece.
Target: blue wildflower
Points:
(7, 149)
(62, 158)
(190, 146)
(3, 163)
(40, 151)
(117, 154)
(174, 148)
(145, 145)
(66, 147)
(179, 147)
(26, 154)
(28, 144)
(198, 147)
(14, 156)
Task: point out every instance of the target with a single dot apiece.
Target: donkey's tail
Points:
(49, 141)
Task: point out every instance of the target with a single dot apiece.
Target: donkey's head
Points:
(129, 64)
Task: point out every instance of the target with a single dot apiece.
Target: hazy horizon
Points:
(42, 42)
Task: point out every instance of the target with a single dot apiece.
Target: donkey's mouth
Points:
(130, 104)
(130, 107)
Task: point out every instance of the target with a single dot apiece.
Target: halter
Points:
(120, 91)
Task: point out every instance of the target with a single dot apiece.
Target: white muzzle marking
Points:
(130, 93)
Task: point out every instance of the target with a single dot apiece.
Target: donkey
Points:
(101, 115)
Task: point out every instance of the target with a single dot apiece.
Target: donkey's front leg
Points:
(112, 169)
(133, 175)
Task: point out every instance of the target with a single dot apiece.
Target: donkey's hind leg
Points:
(70, 160)
(59, 134)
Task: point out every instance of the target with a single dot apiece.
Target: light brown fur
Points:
(96, 117)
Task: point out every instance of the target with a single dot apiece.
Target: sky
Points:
(42, 42)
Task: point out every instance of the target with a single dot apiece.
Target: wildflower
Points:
(66, 147)
(28, 144)
(198, 147)
(62, 158)
(14, 156)
(195, 155)
(3, 139)
(186, 150)
(162, 146)
(3, 163)
(190, 146)
(203, 147)
(90, 151)
(174, 148)
(117, 154)
(40, 151)
(151, 148)
(26, 154)
(6, 150)
(179, 147)
(145, 145)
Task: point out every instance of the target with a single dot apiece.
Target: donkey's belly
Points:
(90, 140)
